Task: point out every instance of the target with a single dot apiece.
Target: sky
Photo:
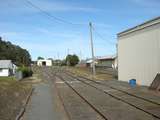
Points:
(41, 35)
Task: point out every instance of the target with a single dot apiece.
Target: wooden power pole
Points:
(92, 50)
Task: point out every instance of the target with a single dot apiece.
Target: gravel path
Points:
(44, 104)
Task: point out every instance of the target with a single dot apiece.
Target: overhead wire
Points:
(50, 15)
(64, 21)
(101, 36)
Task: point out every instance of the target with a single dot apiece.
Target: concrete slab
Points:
(44, 104)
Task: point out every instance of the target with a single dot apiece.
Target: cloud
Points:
(22, 7)
(61, 6)
(50, 49)
(50, 33)
(103, 25)
(8, 35)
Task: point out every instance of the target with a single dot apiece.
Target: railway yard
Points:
(80, 60)
(81, 98)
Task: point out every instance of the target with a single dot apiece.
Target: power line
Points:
(48, 14)
(44, 12)
(100, 36)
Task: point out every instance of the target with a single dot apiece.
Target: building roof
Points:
(141, 26)
(89, 61)
(44, 60)
(106, 57)
(6, 64)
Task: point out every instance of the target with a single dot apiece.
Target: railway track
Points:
(95, 84)
(102, 117)
(87, 79)
(91, 93)
(87, 110)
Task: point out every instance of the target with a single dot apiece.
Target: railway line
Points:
(84, 79)
(75, 106)
(141, 104)
(96, 114)
(83, 98)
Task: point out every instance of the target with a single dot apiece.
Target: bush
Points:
(72, 60)
(26, 71)
(63, 63)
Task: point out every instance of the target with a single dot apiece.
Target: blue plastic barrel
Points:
(132, 82)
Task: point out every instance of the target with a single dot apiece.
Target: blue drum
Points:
(132, 82)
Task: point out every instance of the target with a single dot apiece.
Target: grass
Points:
(8, 78)
(87, 73)
(12, 96)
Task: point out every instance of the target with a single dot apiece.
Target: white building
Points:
(139, 52)
(89, 63)
(7, 68)
(44, 62)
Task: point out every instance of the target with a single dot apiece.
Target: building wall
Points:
(106, 63)
(4, 72)
(139, 55)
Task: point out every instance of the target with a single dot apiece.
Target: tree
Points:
(72, 60)
(18, 55)
(40, 58)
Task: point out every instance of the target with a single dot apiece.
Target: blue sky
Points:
(24, 25)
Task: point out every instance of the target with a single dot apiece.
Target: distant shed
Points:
(44, 62)
(106, 61)
(139, 52)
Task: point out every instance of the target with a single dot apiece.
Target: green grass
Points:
(8, 78)
(87, 73)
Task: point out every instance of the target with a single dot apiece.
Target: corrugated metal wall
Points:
(139, 55)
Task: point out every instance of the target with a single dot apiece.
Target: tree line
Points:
(18, 55)
(70, 60)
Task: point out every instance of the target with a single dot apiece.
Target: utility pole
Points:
(67, 55)
(58, 59)
(58, 55)
(80, 55)
(68, 51)
(92, 49)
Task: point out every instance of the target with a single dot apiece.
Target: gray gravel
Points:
(44, 104)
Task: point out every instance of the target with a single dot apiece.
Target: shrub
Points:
(26, 71)
(72, 60)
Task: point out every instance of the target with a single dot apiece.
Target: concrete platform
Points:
(45, 103)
